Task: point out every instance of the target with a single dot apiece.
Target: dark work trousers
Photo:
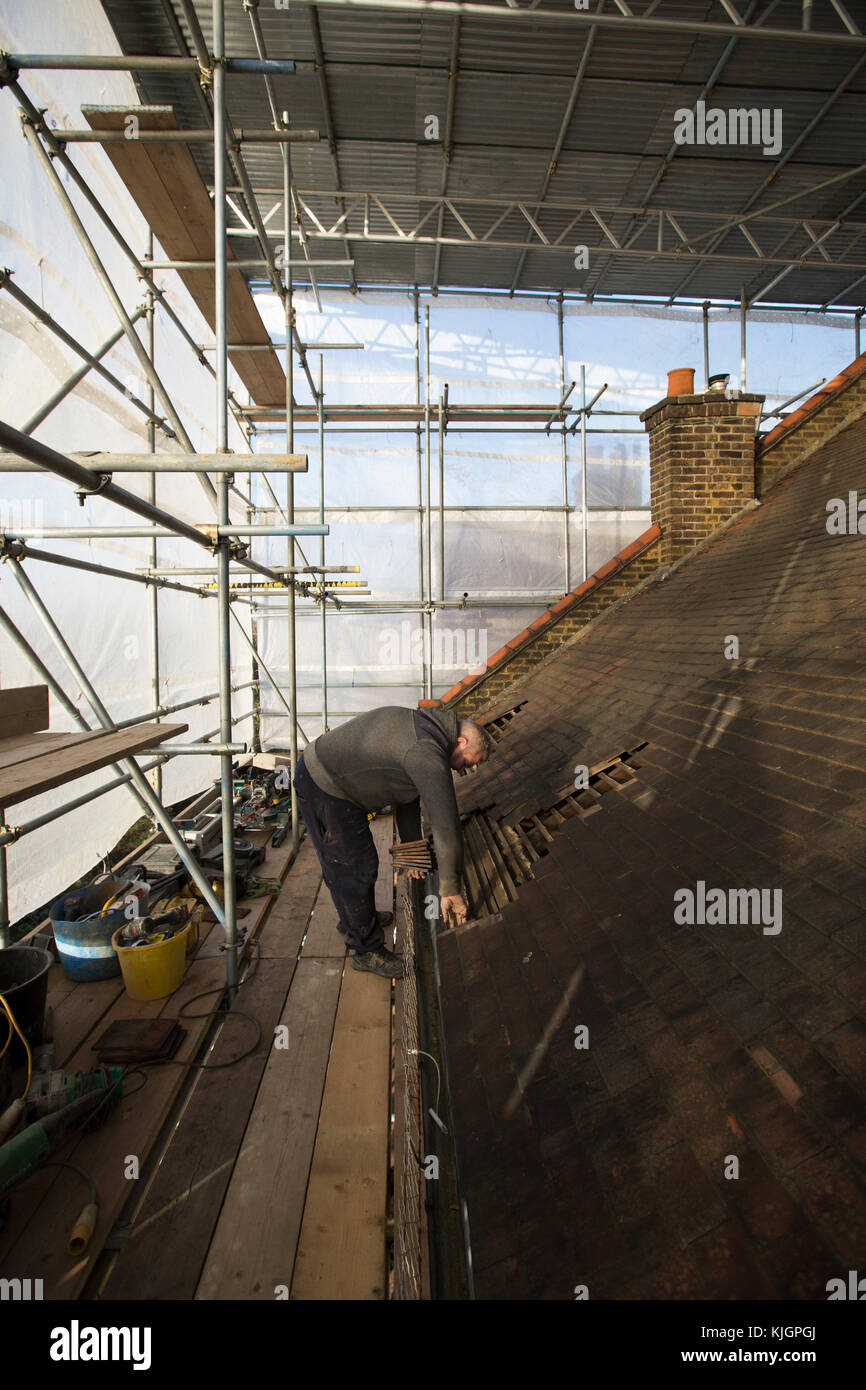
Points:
(340, 833)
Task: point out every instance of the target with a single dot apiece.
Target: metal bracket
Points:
(118, 1235)
(8, 71)
(240, 939)
(82, 493)
(55, 143)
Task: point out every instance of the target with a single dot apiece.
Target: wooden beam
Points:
(77, 756)
(168, 190)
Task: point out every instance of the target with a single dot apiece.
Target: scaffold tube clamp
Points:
(84, 491)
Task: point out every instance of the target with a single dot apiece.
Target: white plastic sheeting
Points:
(106, 621)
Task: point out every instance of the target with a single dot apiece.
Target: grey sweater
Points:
(398, 756)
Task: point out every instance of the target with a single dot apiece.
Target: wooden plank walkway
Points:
(303, 1191)
(342, 1246)
(47, 761)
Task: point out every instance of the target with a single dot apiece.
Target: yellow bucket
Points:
(153, 972)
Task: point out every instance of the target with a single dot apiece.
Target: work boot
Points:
(382, 962)
(384, 919)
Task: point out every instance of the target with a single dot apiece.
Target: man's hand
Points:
(416, 873)
(454, 910)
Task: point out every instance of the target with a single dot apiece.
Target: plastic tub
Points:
(84, 942)
(152, 972)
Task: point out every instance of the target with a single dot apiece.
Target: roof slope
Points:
(605, 1166)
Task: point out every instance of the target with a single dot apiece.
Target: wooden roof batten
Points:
(170, 194)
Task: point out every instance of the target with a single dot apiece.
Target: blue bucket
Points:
(84, 942)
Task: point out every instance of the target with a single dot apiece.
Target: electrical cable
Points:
(419, 1052)
(13, 1024)
(62, 1163)
(212, 1066)
(225, 1013)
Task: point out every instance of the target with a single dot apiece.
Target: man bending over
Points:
(387, 757)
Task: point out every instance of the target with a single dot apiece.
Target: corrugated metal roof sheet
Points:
(387, 72)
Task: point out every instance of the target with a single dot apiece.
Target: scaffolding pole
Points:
(291, 334)
(18, 549)
(420, 504)
(153, 595)
(428, 500)
(583, 489)
(563, 397)
(743, 310)
(168, 463)
(189, 137)
(221, 365)
(442, 399)
(4, 891)
(320, 404)
(135, 62)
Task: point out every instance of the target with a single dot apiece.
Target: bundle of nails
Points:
(412, 854)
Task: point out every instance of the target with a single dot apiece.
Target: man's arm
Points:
(431, 774)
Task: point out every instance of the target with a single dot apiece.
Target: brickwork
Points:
(489, 691)
(702, 465)
(553, 628)
(702, 473)
(835, 406)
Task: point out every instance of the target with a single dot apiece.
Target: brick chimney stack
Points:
(702, 464)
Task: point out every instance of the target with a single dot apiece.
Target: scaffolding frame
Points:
(92, 475)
